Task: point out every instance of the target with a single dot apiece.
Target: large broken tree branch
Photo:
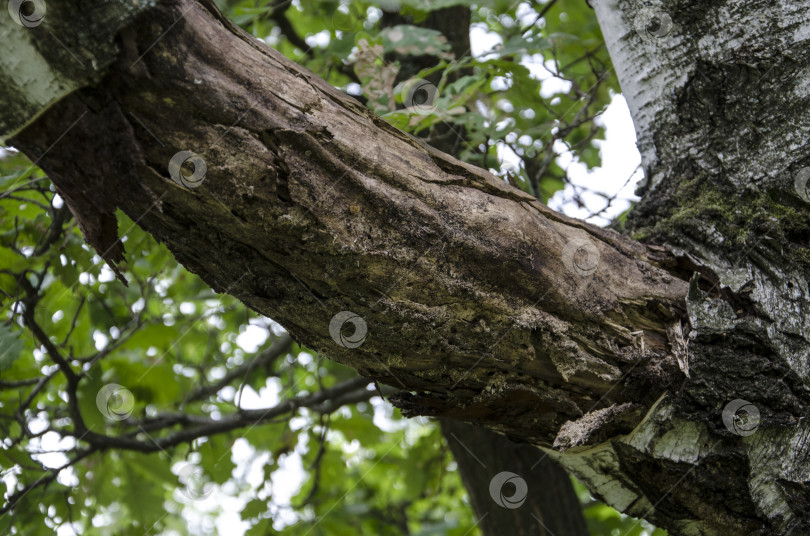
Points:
(471, 289)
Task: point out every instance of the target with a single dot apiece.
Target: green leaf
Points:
(11, 345)
(143, 487)
(254, 508)
(406, 39)
(262, 528)
(86, 394)
(216, 459)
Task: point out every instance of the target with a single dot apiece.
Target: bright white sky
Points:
(618, 175)
(620, 157)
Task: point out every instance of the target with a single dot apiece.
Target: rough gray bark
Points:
(45, 61)
(491, 308)
(719, 96)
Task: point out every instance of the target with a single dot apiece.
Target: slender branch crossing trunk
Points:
(514, 489)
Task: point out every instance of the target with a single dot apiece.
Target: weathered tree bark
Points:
(487, 305)
(719, 95)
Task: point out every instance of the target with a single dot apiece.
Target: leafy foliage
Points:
(133, 409)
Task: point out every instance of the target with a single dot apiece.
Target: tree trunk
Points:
(501, 475)
(486, 305)
(719, 95)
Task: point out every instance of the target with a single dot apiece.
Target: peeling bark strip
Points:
(493, 308)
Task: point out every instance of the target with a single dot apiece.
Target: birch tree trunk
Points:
(719, 96)
(675, 397)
